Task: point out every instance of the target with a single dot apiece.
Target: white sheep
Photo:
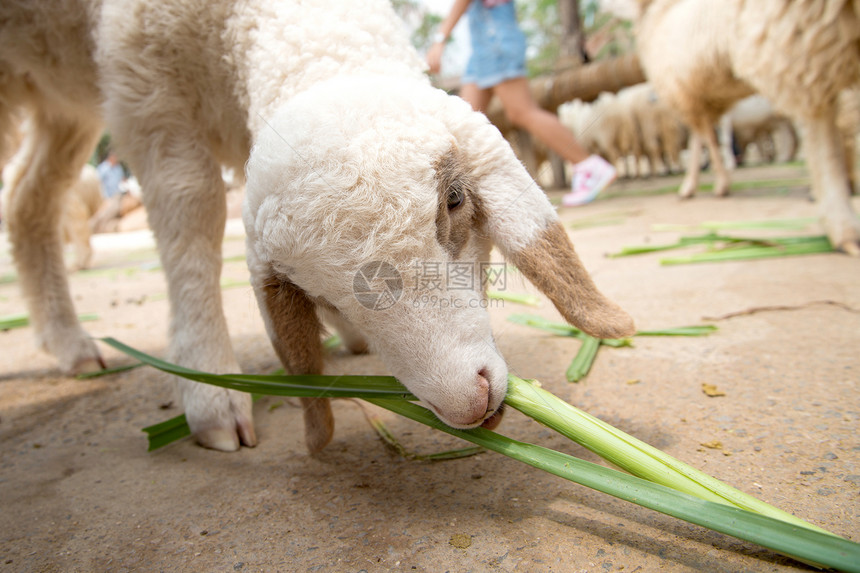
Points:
(357, 165)
(604, 127)
(702, 56)
(848, 122)
(659, 130)
(79, 203)
(754, 121)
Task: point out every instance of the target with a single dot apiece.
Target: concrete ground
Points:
(79, 492)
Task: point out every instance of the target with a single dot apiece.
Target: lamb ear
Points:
(553, 266)
(522, 223)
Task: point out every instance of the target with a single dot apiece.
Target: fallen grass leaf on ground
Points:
(585, 357)
(721, 248)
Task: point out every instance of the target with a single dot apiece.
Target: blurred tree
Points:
(421, 23)
(572, 40)
(540, 22)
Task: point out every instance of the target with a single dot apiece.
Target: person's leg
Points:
(523, 111)
(592, 173)
(477, 97)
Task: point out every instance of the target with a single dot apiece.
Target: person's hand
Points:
(434, 57)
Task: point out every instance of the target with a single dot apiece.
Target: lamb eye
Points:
(455, 197)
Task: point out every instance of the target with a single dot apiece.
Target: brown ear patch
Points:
(295, 333)
(553, 266)
(455, 224)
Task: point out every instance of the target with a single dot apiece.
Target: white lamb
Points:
(753, 120)
(358, 166)
(604, 127)
(79, 203)
(659, 130)
(704, 55)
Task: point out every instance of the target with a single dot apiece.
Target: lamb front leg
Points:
(690, 184)
(294, 329)
(721, 174)
(55, 150)
(184, 195)
(830, 183)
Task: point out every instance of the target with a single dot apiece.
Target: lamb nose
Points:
(482, 399)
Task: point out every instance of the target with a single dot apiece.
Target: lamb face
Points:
(382, 199)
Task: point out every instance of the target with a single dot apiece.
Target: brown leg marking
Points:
(295, 334)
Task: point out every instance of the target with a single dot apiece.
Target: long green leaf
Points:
(562, 329)
(311, 386)
(800, 540)
(107, 371)
(629, 453)
(726, 248)
(783, 248)
(802, 543)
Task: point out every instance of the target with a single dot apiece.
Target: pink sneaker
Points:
(592, 175)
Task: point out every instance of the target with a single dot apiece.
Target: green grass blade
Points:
(707, 238)
(695, 330)
(629, 453)
(799, 542)
(783, 248)
(581, 364)
(167, 432)
(526, 299)
(332, 342)
(18, 320)
(558, 328)
(166, 426)
(563, 329)
(108, 371)
(394, 444)
(22, 319)
(312, 386)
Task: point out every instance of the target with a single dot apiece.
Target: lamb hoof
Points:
(851, 248)
(220, 439)
(844, 233)
(319, 423)
(247, 435)
(228, 439)
(87, 364)
(686, 191)
(220, 419)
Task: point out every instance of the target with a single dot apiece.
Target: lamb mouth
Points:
(492, 421)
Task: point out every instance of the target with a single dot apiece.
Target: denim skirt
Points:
(498, 45)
